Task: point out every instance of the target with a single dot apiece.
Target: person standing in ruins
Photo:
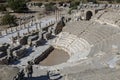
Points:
(29, 69)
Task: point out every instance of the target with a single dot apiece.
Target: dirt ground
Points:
(55, 57)
(8, 72)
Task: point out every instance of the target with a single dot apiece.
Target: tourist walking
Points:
(29, 69)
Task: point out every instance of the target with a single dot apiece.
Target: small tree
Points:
(8, 19)
(39, 4)
(118, 1)
(2, 7)
(17, 5)
(94, 1)
(74, 4)
(50, 7)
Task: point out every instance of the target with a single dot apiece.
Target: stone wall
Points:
(43, 55)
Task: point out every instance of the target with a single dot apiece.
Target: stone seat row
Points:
(97, 34)
(77, 47)
(65, 40)
(79, 28)
(110, 44)
(98, 37)
(109, 18)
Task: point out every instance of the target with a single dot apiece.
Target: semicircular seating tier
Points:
(76, 47)
(108, 17)
(85, 39)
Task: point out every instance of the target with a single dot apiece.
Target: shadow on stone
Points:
(29, 51)
(52, 37)
(42, 42)
(43, 77)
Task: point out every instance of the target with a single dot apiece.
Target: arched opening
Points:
(88, 15)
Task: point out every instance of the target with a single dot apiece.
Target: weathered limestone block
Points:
(16, 47)
(34, 32)
(3, 60)
(8, 30)
(4, 47)
(13, 29)
(32, 38)
(40, 35)
(38, 43)
(50, 30)
(54, 75)
(23, 40)
(47, 35)
(18, 28)
(2, 54)
(20, 53)
(4, 33)
(35, 39)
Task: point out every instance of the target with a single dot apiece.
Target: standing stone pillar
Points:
(6, 32)
(32, 23)
(49, 24)
(46, 25)
(12, 39)
(28, 30)
(26, 25)
(56, 15)
(15, 28)
(23, 26)
(40, 35)
(49, 30)
(36, 24)
(40, 25)
(18, 34)
(11, 30)
(0, 33)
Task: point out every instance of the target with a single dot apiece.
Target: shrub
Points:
(50, 7)
(17, 5)
(2, 7)
(8, 19)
